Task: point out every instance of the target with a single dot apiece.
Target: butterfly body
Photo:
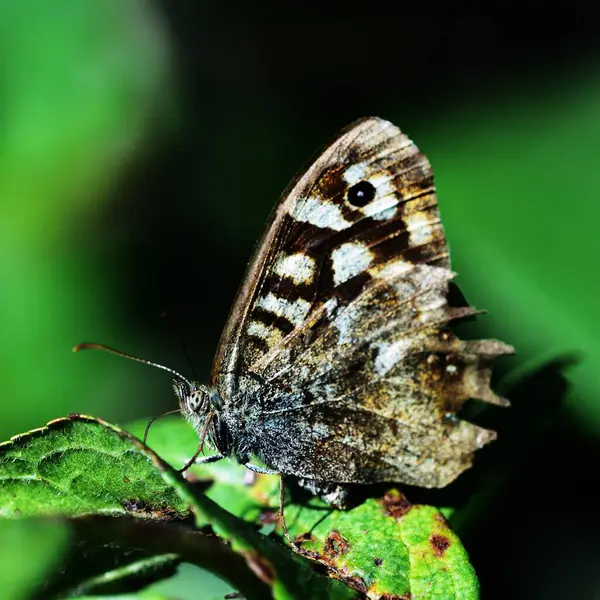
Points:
(337, 363)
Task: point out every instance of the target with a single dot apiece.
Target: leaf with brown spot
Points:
(439, 543)
(399, 550)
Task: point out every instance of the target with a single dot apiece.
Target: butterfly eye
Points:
(361, 194)
(195, 401)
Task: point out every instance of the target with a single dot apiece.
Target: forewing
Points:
(319, 244)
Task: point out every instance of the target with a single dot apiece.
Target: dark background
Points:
(142, 146)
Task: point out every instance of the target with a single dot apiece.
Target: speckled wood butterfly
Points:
(337, 364)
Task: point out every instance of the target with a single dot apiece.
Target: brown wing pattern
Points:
(373, 390)
(342, 323)
(317, 240)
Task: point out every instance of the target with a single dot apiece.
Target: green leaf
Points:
(80, 465)
(29, 551)
(388, 546)
(416, 551)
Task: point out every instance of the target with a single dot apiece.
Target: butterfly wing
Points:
(294, 268)
(336, 359)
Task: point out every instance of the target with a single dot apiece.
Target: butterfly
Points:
(337, 364)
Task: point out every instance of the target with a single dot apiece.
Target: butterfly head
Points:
(201, 405)
(196, 400)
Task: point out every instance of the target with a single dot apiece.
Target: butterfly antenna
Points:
(177, 330)
(92, 346)
(189, 359)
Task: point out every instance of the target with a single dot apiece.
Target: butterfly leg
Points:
(200, 461)
(286, 533)
(209, 459)
(264, 471)
(261, 470)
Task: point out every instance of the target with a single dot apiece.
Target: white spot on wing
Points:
(298, 267)
(330, 306)
(355, 173)
(320, 213)
(419, 225)
(390, 354)
(294, 311)
(349, 260)
(383, 183)
(271, 335)
(345, 323)
(393, 269)
(386, 213)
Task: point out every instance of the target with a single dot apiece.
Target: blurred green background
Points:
(143, 144)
